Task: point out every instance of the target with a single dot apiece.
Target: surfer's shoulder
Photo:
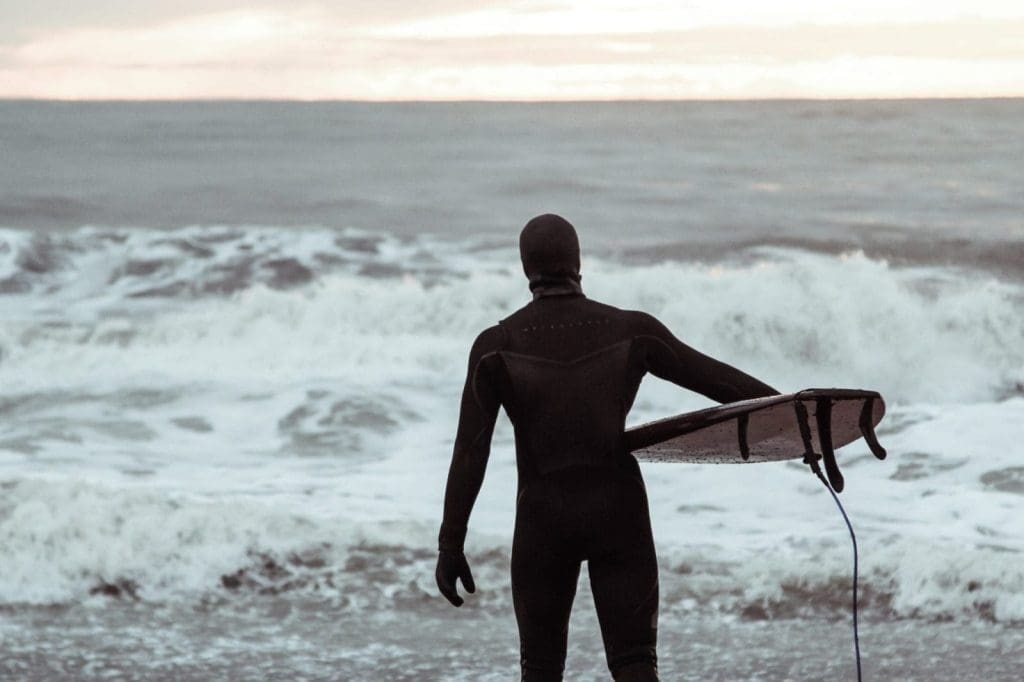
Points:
(648, 331)
(489, 340)
(645, 324)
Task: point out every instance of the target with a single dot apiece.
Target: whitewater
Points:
(224, 443)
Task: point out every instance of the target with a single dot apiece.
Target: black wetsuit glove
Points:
(452, 565)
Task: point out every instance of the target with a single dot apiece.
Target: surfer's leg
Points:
(544, 576)
(624, 580)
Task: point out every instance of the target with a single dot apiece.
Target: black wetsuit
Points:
(567, 369)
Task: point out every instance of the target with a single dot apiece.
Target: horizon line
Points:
(478, 100)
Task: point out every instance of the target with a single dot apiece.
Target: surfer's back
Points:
(567, 379)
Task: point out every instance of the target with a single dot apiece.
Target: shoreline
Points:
(282, 638)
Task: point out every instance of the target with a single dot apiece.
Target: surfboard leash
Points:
(811, 459)
(853, 538)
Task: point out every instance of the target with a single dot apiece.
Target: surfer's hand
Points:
(452, 565)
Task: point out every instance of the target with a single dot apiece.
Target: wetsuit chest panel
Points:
(568, 413)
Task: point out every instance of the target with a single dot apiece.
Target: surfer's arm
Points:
(477, 414)
(669, 358)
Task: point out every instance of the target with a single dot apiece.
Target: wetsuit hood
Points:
(550, 251)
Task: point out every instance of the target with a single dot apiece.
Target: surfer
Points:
(566, 369)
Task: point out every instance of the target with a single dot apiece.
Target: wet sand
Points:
(290, 639)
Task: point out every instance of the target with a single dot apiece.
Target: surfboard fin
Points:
(823, 415)
(741, 433)
(810, 456)
(867, 428)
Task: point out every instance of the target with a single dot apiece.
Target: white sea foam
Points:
(798, 319)
(169, 440)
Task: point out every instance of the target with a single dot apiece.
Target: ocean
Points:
(233, 336)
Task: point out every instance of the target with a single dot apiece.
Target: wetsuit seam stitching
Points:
(564, 363)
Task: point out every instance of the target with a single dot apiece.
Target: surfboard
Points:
(810, 424)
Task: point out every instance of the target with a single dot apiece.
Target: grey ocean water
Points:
(233, 337)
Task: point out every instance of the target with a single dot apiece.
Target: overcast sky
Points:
(510, 49)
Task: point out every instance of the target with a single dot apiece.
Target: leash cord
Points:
(856, 637)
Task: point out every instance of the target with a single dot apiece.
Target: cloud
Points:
(587, 17)
(451, 49)
(26, 20)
